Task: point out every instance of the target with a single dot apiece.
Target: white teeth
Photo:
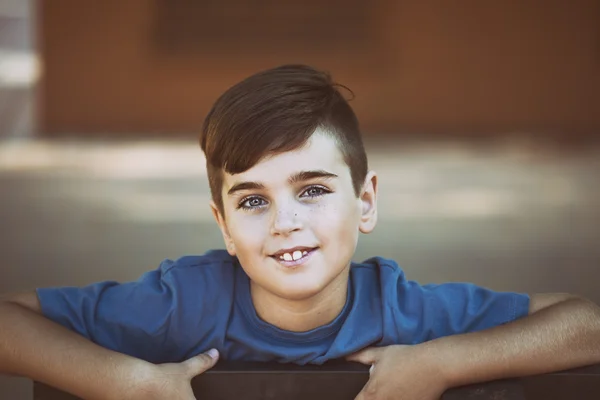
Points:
(296, 255)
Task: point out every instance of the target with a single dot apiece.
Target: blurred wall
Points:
(18, 69)
(151, 66)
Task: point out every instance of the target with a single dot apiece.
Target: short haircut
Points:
(273, 112)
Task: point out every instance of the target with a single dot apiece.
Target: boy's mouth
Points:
(293, 256)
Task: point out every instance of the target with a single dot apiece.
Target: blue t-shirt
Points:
(188, 306)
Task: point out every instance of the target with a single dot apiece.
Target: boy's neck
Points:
(303, 315)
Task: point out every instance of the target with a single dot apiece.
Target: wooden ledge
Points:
(343, 380)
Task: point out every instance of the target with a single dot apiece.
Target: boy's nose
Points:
(285, 221)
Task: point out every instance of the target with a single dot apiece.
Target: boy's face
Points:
(293, 219)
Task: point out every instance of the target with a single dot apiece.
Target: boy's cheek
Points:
(247, 227)
(344, 217)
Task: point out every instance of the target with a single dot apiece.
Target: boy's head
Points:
(276, 111)
(288, 174)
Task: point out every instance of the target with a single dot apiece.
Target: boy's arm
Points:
(561, 332)
(35, 347)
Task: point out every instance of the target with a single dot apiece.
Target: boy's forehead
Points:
(321, 152)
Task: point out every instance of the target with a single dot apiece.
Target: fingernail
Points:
(213, 353)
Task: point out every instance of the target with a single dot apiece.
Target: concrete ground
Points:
(510, 216)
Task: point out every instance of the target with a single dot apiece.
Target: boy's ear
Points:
(368, 200)
(223, 226)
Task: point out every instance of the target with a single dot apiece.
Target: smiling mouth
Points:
(293, 256)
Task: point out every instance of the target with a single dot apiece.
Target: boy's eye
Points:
(316, 191)
(250, 203)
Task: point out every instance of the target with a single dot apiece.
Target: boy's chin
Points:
(300, 295)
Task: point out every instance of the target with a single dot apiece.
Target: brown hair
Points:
(275, 111)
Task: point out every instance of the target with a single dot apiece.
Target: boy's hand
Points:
(173, 381)
(400, 372)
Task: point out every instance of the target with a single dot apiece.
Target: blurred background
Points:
(481, 118)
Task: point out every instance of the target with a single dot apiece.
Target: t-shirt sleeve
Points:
(438, 310)
(132, 318)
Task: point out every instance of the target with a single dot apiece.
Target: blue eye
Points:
(316, 191)
(251, 203)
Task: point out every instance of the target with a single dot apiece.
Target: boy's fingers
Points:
(367, 356)
(367, 392)
(202, 362)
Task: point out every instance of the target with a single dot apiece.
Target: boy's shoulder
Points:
(212, 267)
(212, 258)
(378, 277)
(380, 266)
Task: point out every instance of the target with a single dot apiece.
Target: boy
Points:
(291, 191)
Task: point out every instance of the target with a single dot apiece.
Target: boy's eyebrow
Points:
(297, 177)
(245, 186)
(308, 175)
